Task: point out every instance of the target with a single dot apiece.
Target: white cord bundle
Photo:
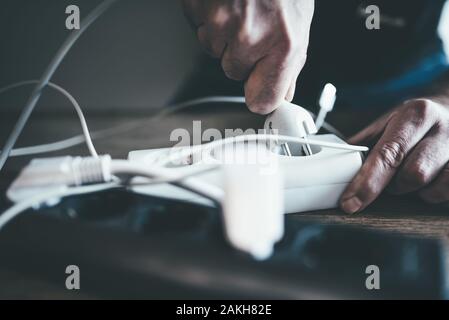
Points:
(39, 149)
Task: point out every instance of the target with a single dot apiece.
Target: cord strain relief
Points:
(92, 170)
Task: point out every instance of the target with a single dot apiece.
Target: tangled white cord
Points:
(38, 149)
(87, 136)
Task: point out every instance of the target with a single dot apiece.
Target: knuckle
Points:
(422, 108)
(289, 46)
(217, 25)
(421, 174)
(367, 191)
(290, 43)
(417, 175)
(439, 190)
(391, 154)
(245, 38)
(219, 17)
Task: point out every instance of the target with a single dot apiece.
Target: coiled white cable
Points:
(86, 133)
(80, 139)
(46, 78)
(78, 171)
(176, 157)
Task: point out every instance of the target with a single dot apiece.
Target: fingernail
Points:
(352, 205)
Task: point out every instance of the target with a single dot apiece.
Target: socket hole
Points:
(296, 150)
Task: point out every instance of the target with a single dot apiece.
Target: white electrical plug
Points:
(294, 121)
(44, 175)
(326, 103)
(253, 205)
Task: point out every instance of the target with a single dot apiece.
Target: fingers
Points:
(423, 165)
(238, 61)
(259, 42)
(438, 191)
(213, 24)
(213, 45)
(269, 83)
(402, 132)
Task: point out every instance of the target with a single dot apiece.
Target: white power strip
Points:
(254, 185)
(310, 182)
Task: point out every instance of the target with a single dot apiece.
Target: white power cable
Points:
(22, 206)
(100, 170)
(86, 134)
(80, 139)
(188, 152)
(119, 167)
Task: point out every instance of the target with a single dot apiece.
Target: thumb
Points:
(268, 83)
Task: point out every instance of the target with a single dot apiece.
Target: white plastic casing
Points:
(51, 174)
(253, 203)
(290, 120)
(328, 97)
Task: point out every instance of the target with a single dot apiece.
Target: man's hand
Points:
(262, 42)
(411, 154)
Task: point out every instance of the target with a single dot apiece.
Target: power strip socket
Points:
(311, 183)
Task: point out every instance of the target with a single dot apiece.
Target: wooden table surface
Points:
(405, 215)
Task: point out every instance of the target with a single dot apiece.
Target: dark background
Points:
(133, 58)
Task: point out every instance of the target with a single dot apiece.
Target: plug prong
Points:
(306, 148)
(286, 149)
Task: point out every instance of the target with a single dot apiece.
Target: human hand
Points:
(411, 154)
(261, 42)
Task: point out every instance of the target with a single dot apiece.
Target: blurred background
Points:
(133, 58)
